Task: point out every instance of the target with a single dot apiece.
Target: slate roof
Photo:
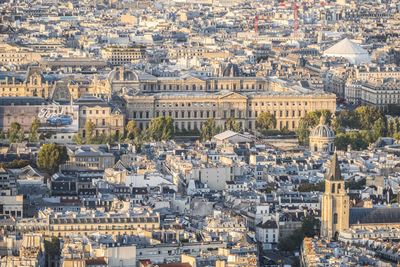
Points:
(374, 215)
(268, 225)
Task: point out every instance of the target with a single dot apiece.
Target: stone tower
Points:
(335, 203)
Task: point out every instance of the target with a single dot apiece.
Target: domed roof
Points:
(322, 130)
(122, 74)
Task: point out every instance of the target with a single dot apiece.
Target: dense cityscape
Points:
(199, 133)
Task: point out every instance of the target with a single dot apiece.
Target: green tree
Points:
(396, 135)
(3, 134)
(43, 136)
(265, 121)
(51, 156)
(131, 130)
(231, 124)
(397, 125)
(138, 142)
(309, 227)
(326, 113)
(21, 136)
(160, 129)
(52, 248)
(353, 185)
(308, 187)
(207, 130)
(33, 131)
(219, 129)
(345, 119)
(379, 128)
(14, 132)
(89, 131)
(391, 125)
(78, 138)
(268, 189)
(306, 123)
(309, 121)
(16, 164)
(367, 116)
(342, 140)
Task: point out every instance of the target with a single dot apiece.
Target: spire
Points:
(333, 173)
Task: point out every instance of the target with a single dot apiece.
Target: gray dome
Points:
(322, 131)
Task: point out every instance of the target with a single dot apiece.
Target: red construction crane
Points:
(294, 5)
(256, 22)
(256, 25)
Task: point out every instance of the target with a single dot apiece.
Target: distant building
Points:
(120, 55)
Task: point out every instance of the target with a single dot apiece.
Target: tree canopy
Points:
(308, 187)
(231, 124)
(265, 121)
(160, 129)
(89, 131)
(15, 133)
(33, 131)
(309, 121)
(51, 156)
(131, 130)
(309, 228)
(361, 127)
(207, 130)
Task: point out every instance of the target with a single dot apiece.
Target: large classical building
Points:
(190, 110)
(191, 100)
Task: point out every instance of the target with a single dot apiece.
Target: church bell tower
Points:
(335, 202)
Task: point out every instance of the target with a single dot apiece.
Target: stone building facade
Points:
(33, 84)
(190, 110)
(108, 119)
(120, 55)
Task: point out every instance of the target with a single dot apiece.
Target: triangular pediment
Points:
(233, 95)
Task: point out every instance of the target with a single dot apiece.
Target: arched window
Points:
(338, 187)
(333, 188)
(335, 218)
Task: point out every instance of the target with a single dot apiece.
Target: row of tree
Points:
(357, 128)
(161, 128)
(16, 133)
